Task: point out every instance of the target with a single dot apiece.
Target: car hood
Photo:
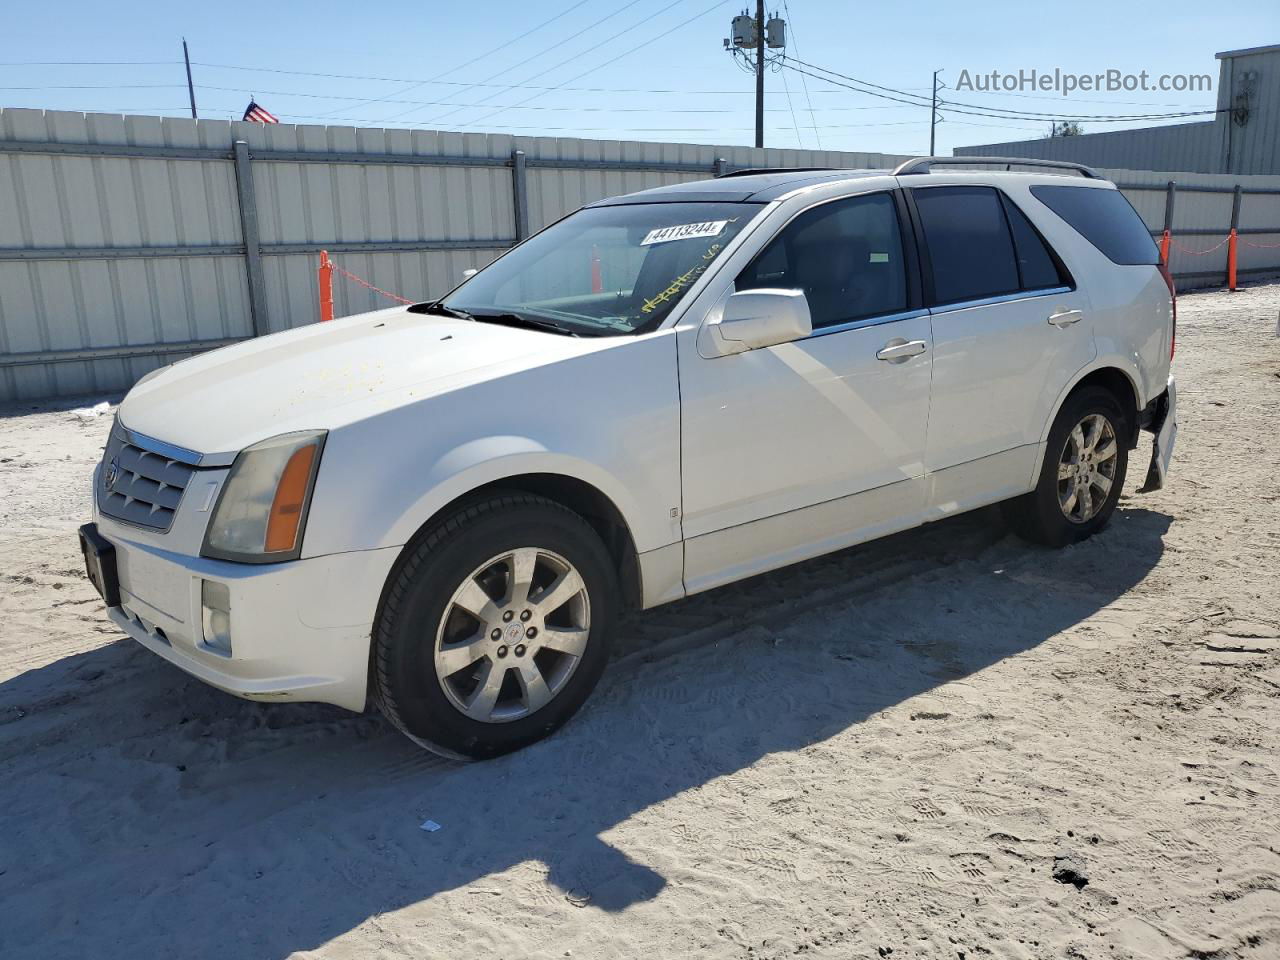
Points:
(328, 375)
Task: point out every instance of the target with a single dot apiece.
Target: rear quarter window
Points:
(1038, 267)
(1105, 218)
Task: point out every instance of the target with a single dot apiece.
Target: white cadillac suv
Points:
(443, 508)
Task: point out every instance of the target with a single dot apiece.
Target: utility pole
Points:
(191, 90)
(933, 115)
(748, 33)
(759, 73)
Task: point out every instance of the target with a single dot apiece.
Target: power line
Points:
(865, 83)
(804, 82)
(925, 101)
(540, 53)
(506, 86)
(472, 62)
(994, 111)
(1060, 99)
(787, 88)
(127, 111)
(88, 63)
(105, 86)
(463, 83)
(1000, 126)
(182, 110)
(512, 106)
(454, 103)
(583, 53)
(440, 103)
(502, 86)
(636, 49)
(1037, 114)
(557, 108)
(999, 113)
(837, 126)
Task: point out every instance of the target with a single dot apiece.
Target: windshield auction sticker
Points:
(684, 231)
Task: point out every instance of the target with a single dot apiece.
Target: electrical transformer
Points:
(775, 33)
(744, 31)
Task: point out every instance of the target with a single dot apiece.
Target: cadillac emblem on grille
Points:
(140, 486)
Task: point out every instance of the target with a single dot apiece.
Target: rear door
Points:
(1010, 331)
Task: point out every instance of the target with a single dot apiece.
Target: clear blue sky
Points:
(605, 80)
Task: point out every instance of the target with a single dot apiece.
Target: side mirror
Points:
(759, 318)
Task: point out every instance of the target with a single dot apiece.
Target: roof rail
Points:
(924, 164)
(752, 171)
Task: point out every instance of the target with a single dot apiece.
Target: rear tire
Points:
(1085, 462)
(495, 627)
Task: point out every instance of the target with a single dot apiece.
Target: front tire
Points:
(1085, 462)
(495, 627)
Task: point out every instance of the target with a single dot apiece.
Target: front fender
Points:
(488, 460)
(393, 511)
(609, 419)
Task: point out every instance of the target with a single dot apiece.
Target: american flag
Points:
(257, 114)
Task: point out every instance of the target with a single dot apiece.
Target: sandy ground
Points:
(888, 751)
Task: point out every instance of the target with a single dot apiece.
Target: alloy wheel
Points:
(1087, 468)
(512, 635)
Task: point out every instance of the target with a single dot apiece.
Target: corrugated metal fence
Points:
(1199, 210)
(128, 242)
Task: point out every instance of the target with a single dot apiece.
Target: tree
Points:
(1068, 128)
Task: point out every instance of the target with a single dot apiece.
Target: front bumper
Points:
(1162, 420)
(299, 630)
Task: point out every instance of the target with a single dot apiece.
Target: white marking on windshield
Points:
(684, 231)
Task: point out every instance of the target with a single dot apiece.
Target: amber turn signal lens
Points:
(285, 519)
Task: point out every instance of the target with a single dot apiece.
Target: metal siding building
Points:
(1250, 89)
(1192, 147)
(1243, 138)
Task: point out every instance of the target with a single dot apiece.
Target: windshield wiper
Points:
(502, 319)
(437, 306)
(527, 323)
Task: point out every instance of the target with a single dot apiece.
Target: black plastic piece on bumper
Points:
(100, 563)
(1155, 415)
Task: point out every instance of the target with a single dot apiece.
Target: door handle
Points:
(895, 351)
(1065, 318)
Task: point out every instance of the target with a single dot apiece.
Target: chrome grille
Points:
(138, 486)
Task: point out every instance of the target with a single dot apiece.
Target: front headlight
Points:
(262, 509)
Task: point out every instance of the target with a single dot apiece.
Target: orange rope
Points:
(365, 283)
(1200, 253)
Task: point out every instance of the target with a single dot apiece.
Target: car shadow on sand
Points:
(146, 815)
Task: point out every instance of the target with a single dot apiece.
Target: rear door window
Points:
(970, 249)
(1103, 217)
(846, 255)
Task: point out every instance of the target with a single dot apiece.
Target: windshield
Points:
(604, 271)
